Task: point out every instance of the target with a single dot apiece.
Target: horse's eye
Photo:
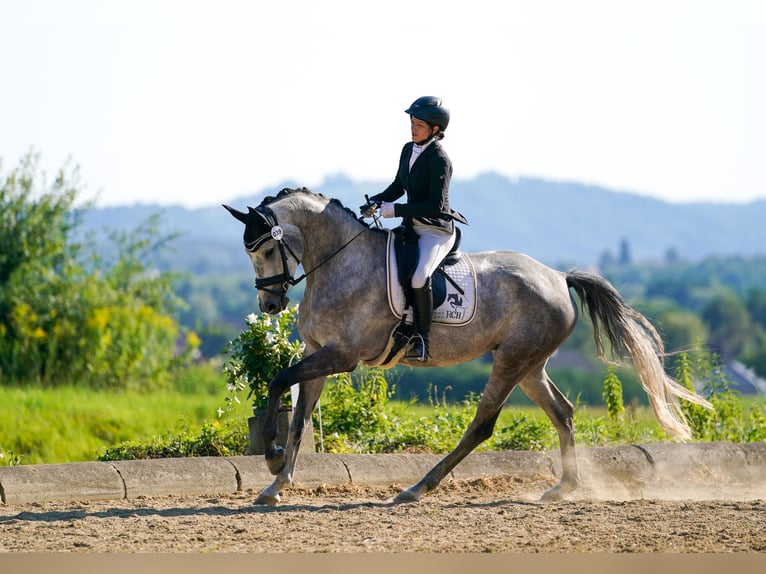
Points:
(268, 252)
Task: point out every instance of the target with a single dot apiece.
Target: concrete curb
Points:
(738, 464)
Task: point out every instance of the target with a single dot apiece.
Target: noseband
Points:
(285, 279)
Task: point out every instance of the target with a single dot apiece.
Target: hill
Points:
(560, 223)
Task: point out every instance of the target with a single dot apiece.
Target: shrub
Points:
(213, 439)
(8, 458)
(525, 433)
(728, 421)
(258, 354)
(355, 411)
(612, 394)
(67, 316)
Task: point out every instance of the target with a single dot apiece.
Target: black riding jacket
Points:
(426, 186)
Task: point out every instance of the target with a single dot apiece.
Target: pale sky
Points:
(195, 103)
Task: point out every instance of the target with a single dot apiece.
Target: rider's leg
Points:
(422, 302)
(433, 246)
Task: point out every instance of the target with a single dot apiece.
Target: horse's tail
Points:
(631, 334)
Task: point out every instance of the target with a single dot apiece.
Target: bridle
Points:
(285, 280)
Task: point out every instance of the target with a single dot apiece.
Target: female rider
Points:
(424, 176)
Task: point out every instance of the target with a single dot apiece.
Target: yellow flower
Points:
(193, 340)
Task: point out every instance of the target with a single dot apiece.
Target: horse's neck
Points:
(329, 231)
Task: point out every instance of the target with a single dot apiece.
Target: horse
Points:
(525, 311)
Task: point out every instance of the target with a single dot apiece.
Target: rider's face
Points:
(420, 130)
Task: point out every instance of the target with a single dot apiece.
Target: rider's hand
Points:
(367, 210)
(387, 209)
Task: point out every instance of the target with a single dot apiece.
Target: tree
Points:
(66, 316)
(756, 306)
(681, 329)
(624, 258)
(729, 322)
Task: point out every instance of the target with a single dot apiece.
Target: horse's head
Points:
(275, 250)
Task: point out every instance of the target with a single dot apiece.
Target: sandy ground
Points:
(484, 515)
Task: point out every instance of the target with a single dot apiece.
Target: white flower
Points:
(270, 338)
(251, 319)
(220, 412)
(231, 388)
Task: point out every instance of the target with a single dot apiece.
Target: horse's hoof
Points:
(276, 460)
(559, 491)
(268, 499)
(552, 494)
(406, 496)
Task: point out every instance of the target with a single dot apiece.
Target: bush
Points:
(68, 317)
(525, 433)
(356, 415)
(612, 394)
(356, 408)
(213, 439)
(729, 421)
(8, 458)
(258, 354)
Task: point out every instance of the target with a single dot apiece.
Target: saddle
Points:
(453, 285)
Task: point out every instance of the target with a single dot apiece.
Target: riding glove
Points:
(368, 209)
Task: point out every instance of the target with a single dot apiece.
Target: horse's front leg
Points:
(326, 361)
(307, 400)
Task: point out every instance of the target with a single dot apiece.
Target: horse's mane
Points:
(290, 191)
(287, 191)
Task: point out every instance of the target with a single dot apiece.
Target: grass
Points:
(72, 424)
(528, 428)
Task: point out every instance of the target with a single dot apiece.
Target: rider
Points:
(424, 176)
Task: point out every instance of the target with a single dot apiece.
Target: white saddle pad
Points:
(457, 309)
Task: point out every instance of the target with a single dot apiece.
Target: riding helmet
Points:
(431, 110)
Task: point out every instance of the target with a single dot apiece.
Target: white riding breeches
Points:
(433, 244)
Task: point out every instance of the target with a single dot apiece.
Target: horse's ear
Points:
(237, 214)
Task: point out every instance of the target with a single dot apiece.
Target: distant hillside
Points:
(557, 222)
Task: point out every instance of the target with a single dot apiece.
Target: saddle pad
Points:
(457, 308)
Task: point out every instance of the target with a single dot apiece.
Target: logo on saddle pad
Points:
(454, 297)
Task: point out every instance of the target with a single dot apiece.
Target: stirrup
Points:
(417, 348)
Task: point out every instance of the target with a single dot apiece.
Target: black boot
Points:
(422, 303)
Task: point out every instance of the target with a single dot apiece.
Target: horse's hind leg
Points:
(478, 431)
(540, 388)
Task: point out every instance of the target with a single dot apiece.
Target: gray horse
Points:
(525, 312)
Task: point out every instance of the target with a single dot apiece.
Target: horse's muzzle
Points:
(272, 304)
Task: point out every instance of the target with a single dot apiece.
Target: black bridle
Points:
(285, 280)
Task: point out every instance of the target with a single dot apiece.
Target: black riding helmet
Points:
(430, 110)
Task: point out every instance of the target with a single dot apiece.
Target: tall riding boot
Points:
(422, 302)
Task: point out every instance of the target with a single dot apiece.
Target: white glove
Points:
(387, 209)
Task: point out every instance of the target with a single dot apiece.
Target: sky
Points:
(196, 103)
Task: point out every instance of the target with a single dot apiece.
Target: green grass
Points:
(528, 428)
(72, 424)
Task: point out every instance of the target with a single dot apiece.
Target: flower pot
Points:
(284, 418)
